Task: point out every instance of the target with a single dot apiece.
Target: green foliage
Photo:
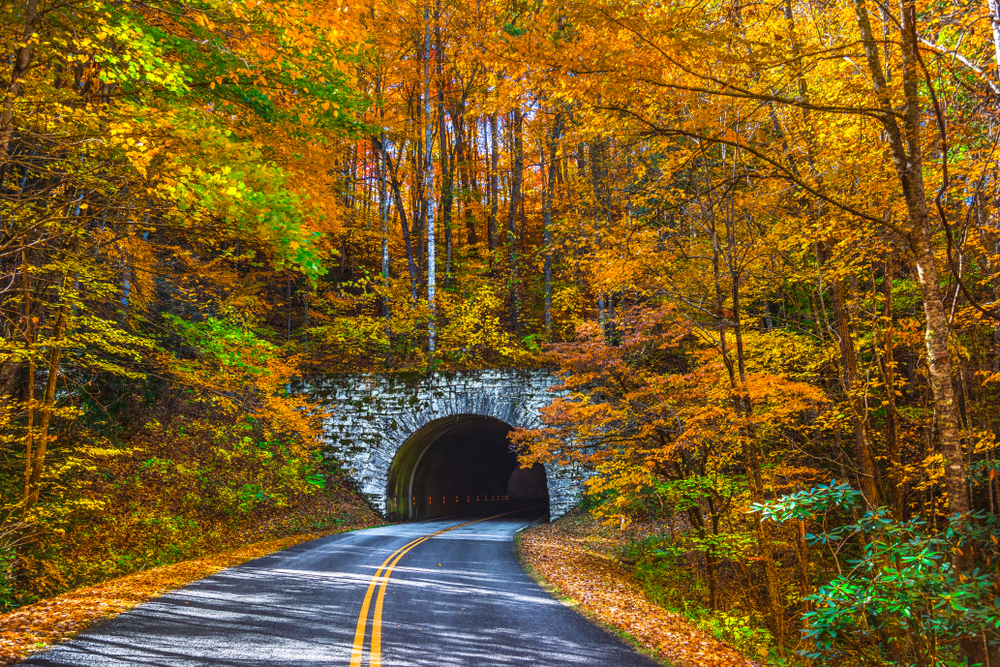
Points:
(661, 568)
(224, 176)
(745, 632)
(182, 489)
(902, 586)
(811, 503)
(8, 583)
(225, 342)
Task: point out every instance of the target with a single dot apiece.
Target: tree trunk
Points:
(907, 157)
(871, 485)
(552, 145)
(30, 343)
(419, 207)
(491, 229)
(908, 160)
(466, 176)
(401, 207)
(994, 6)
(22, 63)
(37, 461)
(447, 161)
(383, 217)
(752, 449)
(891, 425)
(803, 560)
(429, 182)
(939, 367)
(517, 179)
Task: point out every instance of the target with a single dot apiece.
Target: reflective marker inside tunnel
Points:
(462, 464)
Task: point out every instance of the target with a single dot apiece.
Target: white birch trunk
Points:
(429, 181)
(995, 21)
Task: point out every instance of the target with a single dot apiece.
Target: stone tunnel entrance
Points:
(462, 464)
(379, 426)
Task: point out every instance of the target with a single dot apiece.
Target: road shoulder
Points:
(571, 561)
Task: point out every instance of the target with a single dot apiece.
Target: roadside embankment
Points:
(34, 627)
(574, 559)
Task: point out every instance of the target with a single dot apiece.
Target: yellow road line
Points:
(376, 652)
(380, 581)
(359, 633)
(376, 649)
(357, 652)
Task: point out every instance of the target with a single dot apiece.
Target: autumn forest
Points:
(758, 242)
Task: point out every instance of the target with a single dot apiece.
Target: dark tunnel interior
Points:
(462, 465)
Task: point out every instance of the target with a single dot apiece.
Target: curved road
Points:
(384, 596)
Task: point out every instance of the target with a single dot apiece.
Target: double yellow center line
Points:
(380, 580)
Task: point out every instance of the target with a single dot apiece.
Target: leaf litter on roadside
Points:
(571, 558)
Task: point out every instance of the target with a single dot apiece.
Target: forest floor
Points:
(573, 557)
(35, 627)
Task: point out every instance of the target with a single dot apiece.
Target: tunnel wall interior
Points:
(528, 489)
(462, 465)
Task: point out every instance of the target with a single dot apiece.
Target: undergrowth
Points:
(179, 489)
(656, 564)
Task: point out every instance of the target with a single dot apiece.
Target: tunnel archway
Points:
(462, 464)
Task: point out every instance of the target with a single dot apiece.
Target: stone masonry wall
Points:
(373, 415)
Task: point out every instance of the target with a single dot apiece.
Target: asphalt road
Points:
(457, 598)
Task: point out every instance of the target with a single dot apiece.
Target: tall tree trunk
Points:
(429, 183)
(552, 145)
(752, 449)
(31, 340)
(491, 229)
(37, 461)
(939, 366)
(447, 157)
(18, 72)
(447, 197)
(994, 6)
(871, 479)
(401, 207)
(466, 174)
(419, 207)
(907, 158)
(891, 425)
(288, 280)
(517, 180)
(383, 217)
